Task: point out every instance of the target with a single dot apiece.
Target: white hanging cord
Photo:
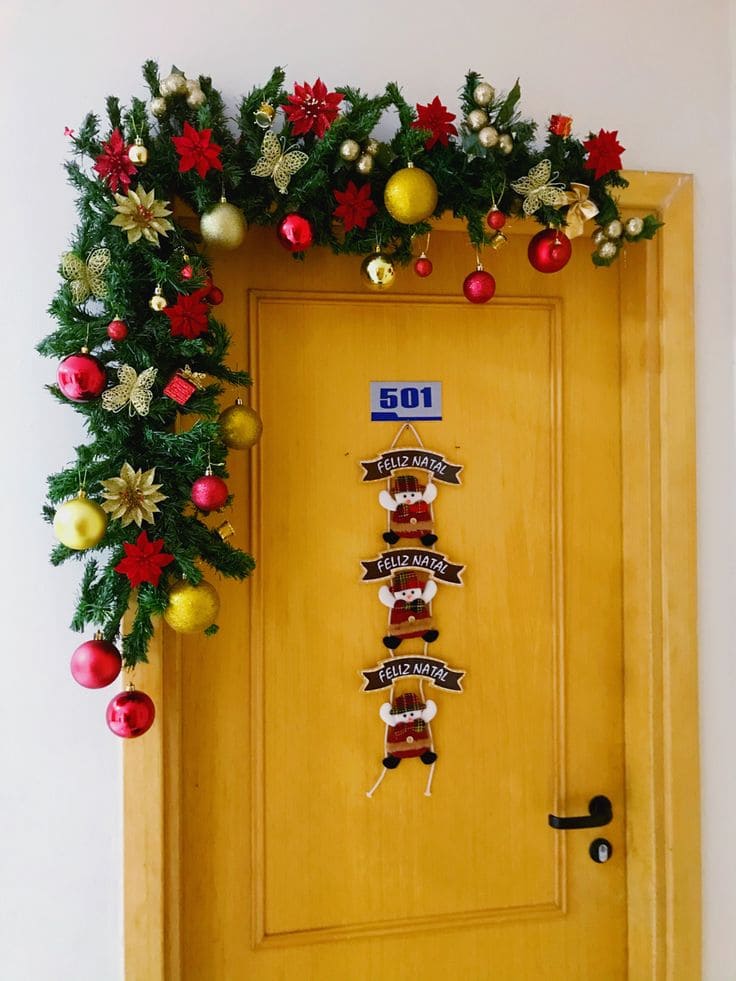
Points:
(428, 788)
(378, 782)
(417, 437)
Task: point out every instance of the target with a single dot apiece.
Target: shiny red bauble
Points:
(479, 286)
(81, 377)
(215, 296)
(117, 330)
(550, 250)
(96, 663)
(423, 266)
(295, 233)
(496, 219)
(209, 493)
(130, 714)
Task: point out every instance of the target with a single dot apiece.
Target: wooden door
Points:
(286, 869)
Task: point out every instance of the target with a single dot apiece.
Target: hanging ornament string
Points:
(430, 775)
(384, 771)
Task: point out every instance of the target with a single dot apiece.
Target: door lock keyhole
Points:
(600, 850)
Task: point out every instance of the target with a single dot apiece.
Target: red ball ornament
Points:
(423, 266)
(295, 233)
(215, 296)
(549, 250)
(209, 493)
(479, 286)
(96, 663)
(187, 271)
(496, 219)
(117, 330)
(81, 377)
(130, 714)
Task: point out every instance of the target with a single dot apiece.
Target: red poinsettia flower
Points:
(355, 206)
(143, 560)
(312, 107)
(114, 165)
(435, 117)
(188, 316)
(604, 153)
(197, 151)
(560, 125)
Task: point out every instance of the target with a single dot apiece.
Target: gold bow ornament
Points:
(581, 209)
(86, 278)
(134, 391)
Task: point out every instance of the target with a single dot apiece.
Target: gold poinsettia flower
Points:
(132, 496)
(140, 214)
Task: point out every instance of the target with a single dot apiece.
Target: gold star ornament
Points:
(133, 496)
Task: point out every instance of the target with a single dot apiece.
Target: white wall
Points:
(658, 72)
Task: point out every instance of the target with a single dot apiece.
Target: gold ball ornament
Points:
(505, 143)
(488, 137)
(223, 225)
(372, 147)
(192, 608)
(240, 426)
(80, 523)
(263, 116)
(138, 154)
(614, 229)
(634, 227)
(410, 195)
(195, 95)
(158, 300)
(159, 105)
(607, 250)
(364, 164)
(476, 119)
(378, 271)
(349, 150)
(173, 84)
(483, 94)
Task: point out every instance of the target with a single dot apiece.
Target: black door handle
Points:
(600, 813)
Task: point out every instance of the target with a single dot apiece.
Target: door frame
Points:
(661, 731)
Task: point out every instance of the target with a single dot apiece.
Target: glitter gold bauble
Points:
(80, 523)
(378, 271)
(223, 225)
(410, 195)
(599, 237)
(476, 119)
(138, 154)
(159, 105)
(195, 95)
(173, 84)
(607, 250)
(263, 116)
(505, 143)
(634, 227)
(372, 147)
(192, 608)
(240, 426)
(483, 94)
(158, 300)
(364, 164)
(349, 150)
(488, 137)
(614, 229)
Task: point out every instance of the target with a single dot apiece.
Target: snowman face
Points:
(409, 716)
(408, 595)
(408, 497)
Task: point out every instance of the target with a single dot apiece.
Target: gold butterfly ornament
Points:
(540, 187)
(276, 163)
(134, 391)
(86, 278)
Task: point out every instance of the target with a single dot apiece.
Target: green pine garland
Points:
(469, 179)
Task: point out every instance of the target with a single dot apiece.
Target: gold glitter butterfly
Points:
(537, 189)
(86, 278)
(134, 391)
(274, 162)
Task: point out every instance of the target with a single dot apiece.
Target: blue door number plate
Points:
(402, 401)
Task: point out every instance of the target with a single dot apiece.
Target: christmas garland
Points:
(137, 333)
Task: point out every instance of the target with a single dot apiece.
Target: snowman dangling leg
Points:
(410, 514)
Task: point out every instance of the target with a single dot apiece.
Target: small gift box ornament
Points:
(183, 384)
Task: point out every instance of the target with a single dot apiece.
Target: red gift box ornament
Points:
(183, 384)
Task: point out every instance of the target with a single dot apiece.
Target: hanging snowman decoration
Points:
(409, 504)
(408, 600)
(408, 733)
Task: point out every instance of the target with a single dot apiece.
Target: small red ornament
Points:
(187, 271)
(295, 233)
(215, 296)
(560, 125)
(549, 250)
(130, 714)
(479, 286)
(423, 266)
(180, 389)
(209, 493)
(96, 663)
(117, 330)
(81, 377)
(496, 219)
